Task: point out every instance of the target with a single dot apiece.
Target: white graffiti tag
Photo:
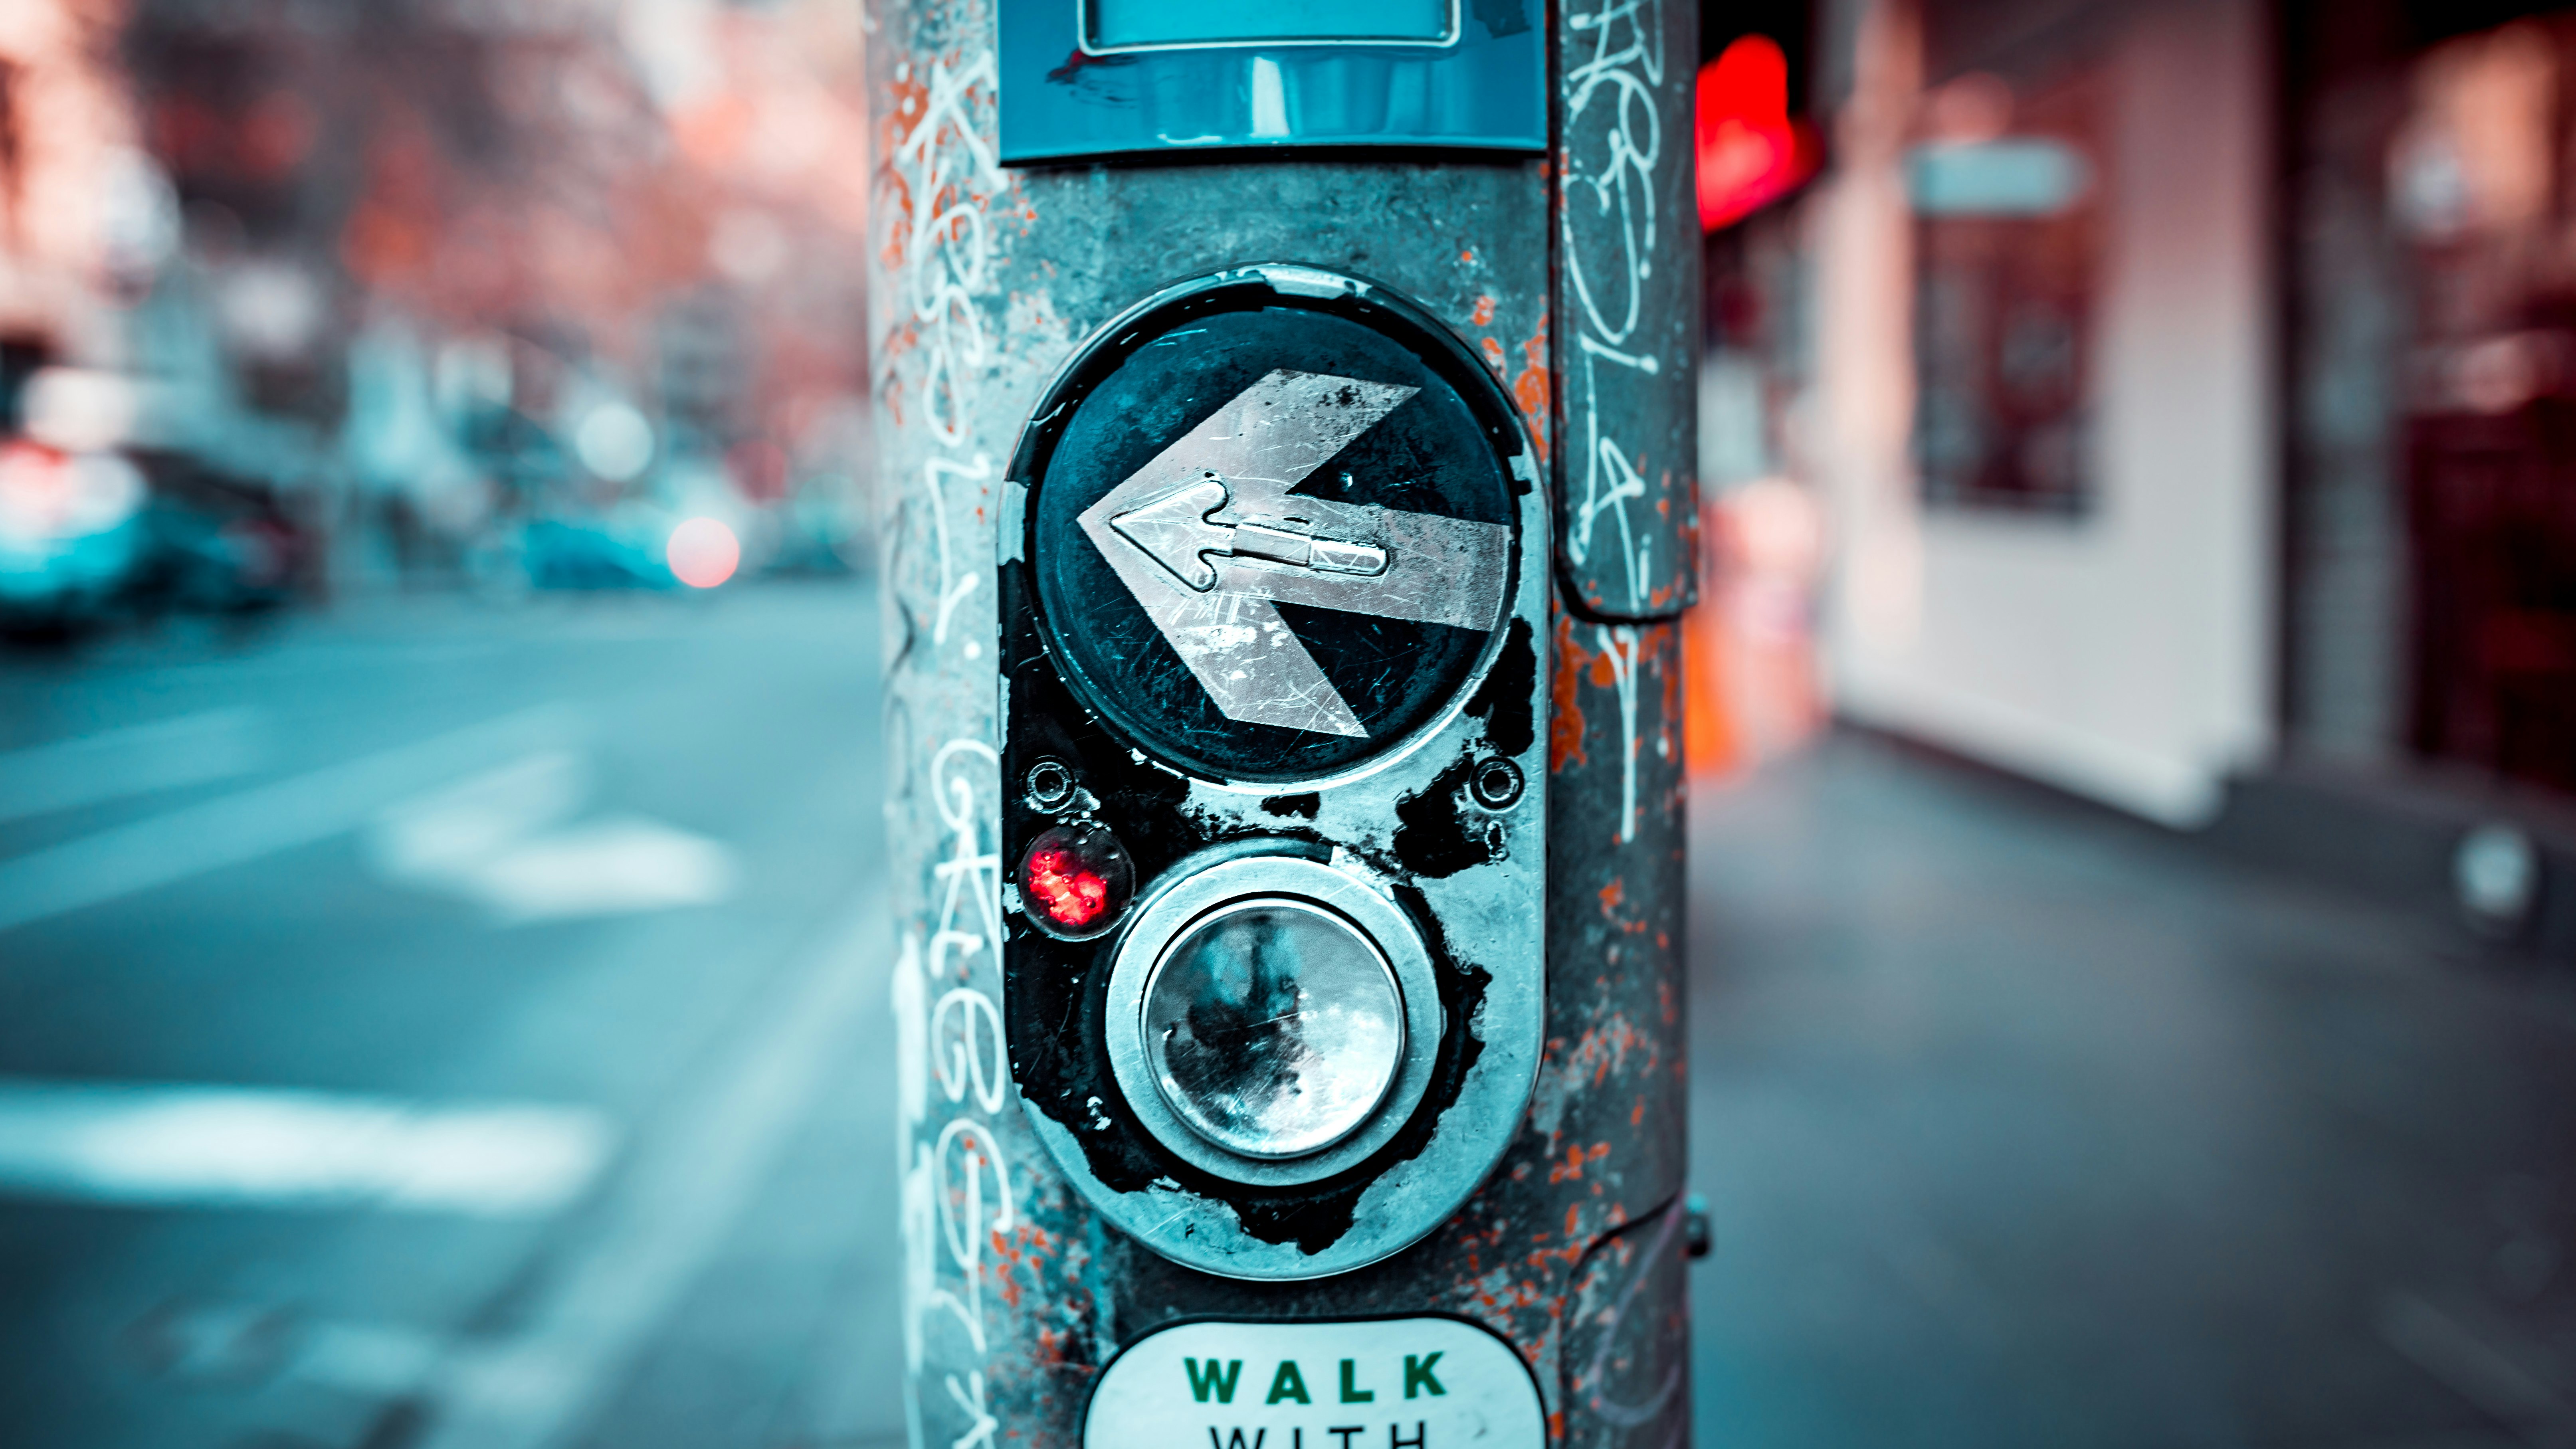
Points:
(1613, 144)
(959, 1185)
(945, 170)
(957, 1192)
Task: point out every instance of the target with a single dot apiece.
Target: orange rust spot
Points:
(1494, 356)
(1637, 1114)
(1483, 316)
(1530, 392)
(1530, 389)
(1572, 1221)
(1565, 716)
(1613, 896)
(1468, 256)
(1599, 1150)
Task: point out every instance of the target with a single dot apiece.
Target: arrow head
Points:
(1173, 531)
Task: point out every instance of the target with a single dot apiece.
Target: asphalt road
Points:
(440, 1024)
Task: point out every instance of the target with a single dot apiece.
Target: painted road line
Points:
(2511, 1387)
(505, 841)
(240, 1147)
(194, 749)
(681, 1194)
(129, 859)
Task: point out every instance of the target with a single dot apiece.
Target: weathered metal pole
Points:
(1054, 1201)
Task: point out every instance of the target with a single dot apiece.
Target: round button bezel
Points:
(1170, 915)
(1177, 1097)
(1070, 618)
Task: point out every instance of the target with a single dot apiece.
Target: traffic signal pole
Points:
(1288, 501)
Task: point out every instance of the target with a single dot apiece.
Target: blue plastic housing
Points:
(1085, 78)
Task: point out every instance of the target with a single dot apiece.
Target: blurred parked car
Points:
(593, 553)
(89, 536)
(71, 533)
(214, 543)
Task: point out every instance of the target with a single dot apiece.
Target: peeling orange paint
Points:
(1565, 715)
(1530, 389)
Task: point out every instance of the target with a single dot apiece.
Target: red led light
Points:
(1070, 895)
(1075, 880)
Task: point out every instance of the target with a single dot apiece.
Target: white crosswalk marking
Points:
(240, 1147)
(504, 840)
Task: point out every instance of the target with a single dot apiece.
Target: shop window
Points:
(2008, 225)
(2478, 198)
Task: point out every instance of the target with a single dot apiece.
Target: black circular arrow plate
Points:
(1157, 376)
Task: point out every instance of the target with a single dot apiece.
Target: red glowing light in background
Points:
(1750, 152)
(1077, 878)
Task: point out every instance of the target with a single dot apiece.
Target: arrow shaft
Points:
(1305, 551)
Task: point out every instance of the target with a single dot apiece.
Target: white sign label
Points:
(1385, 1383)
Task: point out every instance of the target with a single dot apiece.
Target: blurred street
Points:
(458, 463)
(2020, 1123)
(533, 955)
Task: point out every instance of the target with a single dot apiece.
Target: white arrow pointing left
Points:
(1209, 540)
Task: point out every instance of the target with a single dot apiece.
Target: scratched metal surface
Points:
(1471, 876)
(983, 282)
(1564, 1250)
(1627, 352)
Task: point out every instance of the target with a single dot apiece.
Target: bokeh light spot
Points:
(614, 441)
(703, 553)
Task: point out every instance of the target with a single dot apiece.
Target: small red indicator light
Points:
(1075, 880)
(1751, 152)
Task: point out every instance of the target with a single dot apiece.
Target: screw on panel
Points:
(1696, 1238)
(1496, 784)
(1050, 785)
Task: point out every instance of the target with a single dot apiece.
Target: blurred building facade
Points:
(2176, 395)
(2043, 427)
(440, 291)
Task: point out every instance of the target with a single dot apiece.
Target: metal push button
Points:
(1275, 1027)
(1272, 1019)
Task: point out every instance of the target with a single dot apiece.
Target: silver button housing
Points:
(1272, 1019)
(1274, 1027)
